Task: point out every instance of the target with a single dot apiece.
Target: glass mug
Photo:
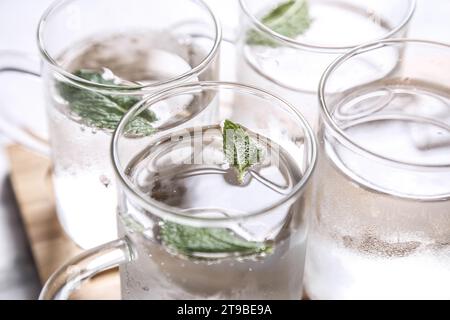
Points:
(292, 66)
(381, 229)
(189, 229)
(100, 58)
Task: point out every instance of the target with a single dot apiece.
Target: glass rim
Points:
(334, 127)
(314, 47)
(199, 68)
(178, 214)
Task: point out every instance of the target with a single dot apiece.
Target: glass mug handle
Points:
(12, 61)
(85, 266)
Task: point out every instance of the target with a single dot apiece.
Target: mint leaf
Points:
(104, 111)
(240, 150)
(289, 19)
(190, 240)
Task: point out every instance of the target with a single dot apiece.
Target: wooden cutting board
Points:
(51, 247)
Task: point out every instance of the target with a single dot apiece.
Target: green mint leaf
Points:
(289, 19)
(93, 76)
(104, 111)
(240, 150)
(190, 240)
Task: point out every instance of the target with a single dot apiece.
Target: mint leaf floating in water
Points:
(101, 110)
(190, 240)
(289, 19)
(240, 150)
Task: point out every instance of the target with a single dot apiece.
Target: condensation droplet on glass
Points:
(105, 180)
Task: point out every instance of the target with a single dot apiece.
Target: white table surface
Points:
(18, 21)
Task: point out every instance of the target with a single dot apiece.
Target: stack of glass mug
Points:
(218, 190)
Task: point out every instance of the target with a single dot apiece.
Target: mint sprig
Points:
(289, 19)
(191, 240)
(240, 150)
(104, 111)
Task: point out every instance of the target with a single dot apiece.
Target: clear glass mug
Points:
(381, 229)
(292, 66)
(189, 229)
(98, 59)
